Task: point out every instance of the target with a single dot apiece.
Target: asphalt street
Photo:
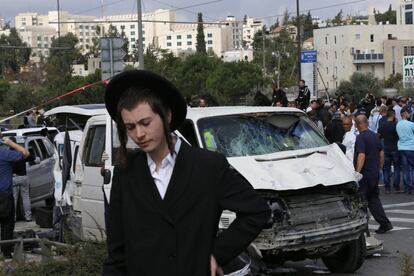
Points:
(400, 210)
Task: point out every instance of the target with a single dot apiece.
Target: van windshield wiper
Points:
(295, 156)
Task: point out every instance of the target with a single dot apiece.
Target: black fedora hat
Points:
(160, 86)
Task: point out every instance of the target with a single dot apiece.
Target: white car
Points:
(309, 185)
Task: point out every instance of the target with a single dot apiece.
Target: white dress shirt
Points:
(349, 143)
(162, 176)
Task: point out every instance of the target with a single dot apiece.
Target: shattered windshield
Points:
(257, 134)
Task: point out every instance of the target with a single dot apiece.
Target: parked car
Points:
(36, 131)
(40, 171)
(317, 211)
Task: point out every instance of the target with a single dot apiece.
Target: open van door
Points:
(91, 203)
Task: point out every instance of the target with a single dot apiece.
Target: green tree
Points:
(308, 26)
(389, 16)
(192, 74)
(278, 50)
(12, 59)
(359, 85)
(61, 60)
(230, 81)
(393, 81)
(4, 89)
(338, 18)
(201, 43)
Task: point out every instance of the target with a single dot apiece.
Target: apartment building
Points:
(159, 30)
(250, 28)
(369, 48)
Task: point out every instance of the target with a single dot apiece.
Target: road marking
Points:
(407, 220)
(396, 228)
(401, 211)
(399, 204)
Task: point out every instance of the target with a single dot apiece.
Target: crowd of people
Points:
(378, 136)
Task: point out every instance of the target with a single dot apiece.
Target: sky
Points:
(212, 9)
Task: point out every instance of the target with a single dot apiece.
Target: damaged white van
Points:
(309, 185)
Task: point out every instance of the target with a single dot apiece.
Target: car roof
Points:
(24, 131)
(83, 109)
(204, 112)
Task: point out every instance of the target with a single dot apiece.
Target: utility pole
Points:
(264, 52)
(58, 14)
(140, 44)
(299, 40)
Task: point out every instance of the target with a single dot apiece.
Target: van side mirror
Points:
(107, 176)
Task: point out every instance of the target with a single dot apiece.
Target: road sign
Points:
(112, 56)
(308, 57)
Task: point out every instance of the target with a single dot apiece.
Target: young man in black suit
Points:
(166, 200)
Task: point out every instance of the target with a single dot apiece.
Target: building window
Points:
(326, 55)
(179, 43)
(372, 38)
(87, 33)
(122, 27)
(357, 36)
(81, 27)
(132, 39)
(189, 43)
(409, 18)
(132, 33)
(39, 38)
(168, 37)
(168, 44)
(189, 36)
(209, 35)
(209, 42)
(86, 27)
(393, 69)
(358, 67)
(336, 55)
(132, 26)
(408, 50)
(209, 48)
(87, 40)
(178, 36)
(389, 36)
(326, 40)
(335, 39)
(409, 6)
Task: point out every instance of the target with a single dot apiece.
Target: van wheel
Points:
(349, 258)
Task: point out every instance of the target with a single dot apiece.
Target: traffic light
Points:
(112, 56)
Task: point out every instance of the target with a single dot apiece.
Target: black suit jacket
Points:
(177, 235)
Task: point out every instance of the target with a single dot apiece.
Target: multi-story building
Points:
(250, 28)
(380, 49)
(159, 30)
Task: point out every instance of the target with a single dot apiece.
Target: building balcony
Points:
(368, 58)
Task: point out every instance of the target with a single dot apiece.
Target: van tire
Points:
(348, 258)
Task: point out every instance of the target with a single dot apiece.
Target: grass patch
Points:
(85, 258)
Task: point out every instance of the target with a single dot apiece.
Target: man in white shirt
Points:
(349, 138)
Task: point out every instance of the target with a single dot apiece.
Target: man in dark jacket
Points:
(303, 96)
(279, 96)
(166, 200)
(334, 130)
(7, 159)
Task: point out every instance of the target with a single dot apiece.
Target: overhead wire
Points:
(314, 9)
